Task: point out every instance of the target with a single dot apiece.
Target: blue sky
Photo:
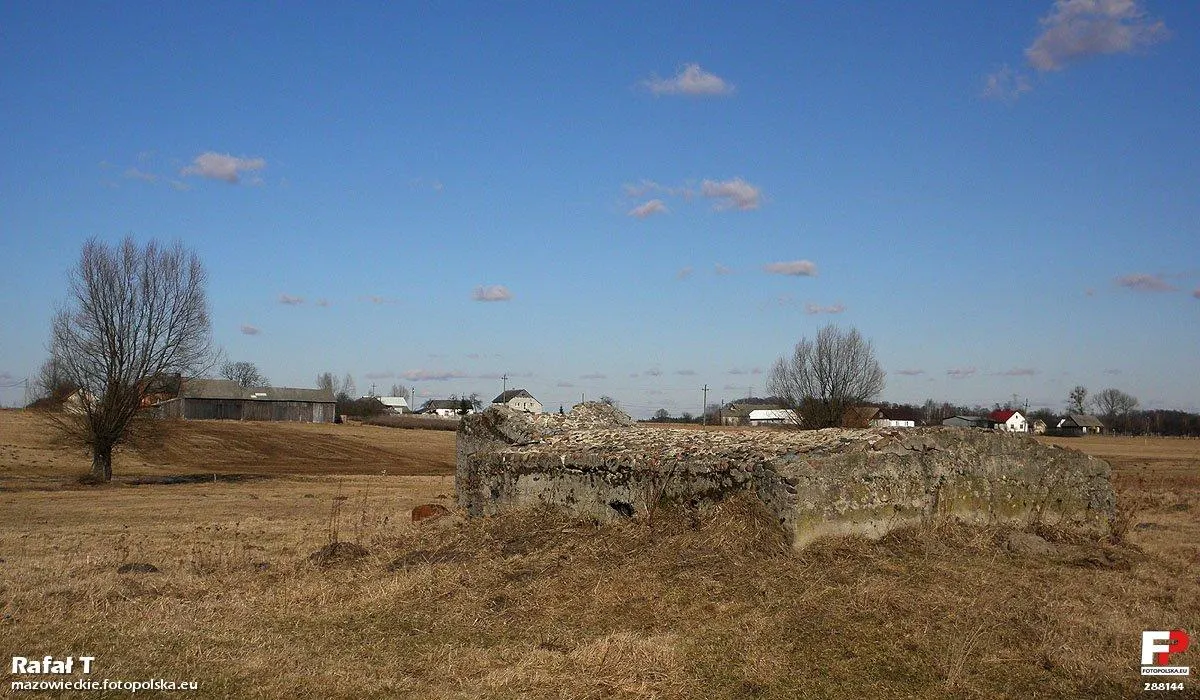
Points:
(634, 199)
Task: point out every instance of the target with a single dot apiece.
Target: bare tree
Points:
(1077, 400)
(51, 383)
(134, 317)
(244, 373)
(1114, 403)
(326, 380)
(826, 376)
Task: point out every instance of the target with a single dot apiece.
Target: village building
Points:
(1079, 424)
(225, 399)
(1009, 421)
(520, 400)
(773, 416)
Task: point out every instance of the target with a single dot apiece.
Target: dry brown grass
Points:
(536, 605)
(31, 455)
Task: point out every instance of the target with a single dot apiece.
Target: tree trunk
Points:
(102, 463)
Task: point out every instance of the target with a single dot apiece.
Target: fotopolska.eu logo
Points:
(1157, 649)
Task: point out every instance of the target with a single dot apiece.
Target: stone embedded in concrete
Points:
(595, 462)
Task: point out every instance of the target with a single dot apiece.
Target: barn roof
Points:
(512, 394)
(229, 390)
(1001, 416)
(1082, 420)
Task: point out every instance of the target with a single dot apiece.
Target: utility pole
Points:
(704, 407)
(505, 378)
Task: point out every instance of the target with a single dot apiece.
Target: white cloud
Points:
(644, 211)
(565, 385)
(686, 372)
(1196, 294)
(222, 166)
(732, 194)
(1018, 372)
(814, 309)
(655, 372)
(290, 300)
(720, 269)
(691, 80)
(961, 372)
(493, 292)
(594, 375)
(1145, 283)
(795, 268)
(1077, 29)
(427, 375)
(684, 273)
(135, 174)
(322, 302)
(1005, 85)
(910, 372)
(247, 329)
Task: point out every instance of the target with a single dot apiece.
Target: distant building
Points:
(1009, 421)
(773, 416)
(1079, 424)
(394, 404)
(225, 399)
(875, 417)
(738, 413)
(520, 400)
(967, 422)
(446, 408)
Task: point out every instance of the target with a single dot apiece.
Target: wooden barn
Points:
(224, 399)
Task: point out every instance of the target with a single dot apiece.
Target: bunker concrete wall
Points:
(595, 463)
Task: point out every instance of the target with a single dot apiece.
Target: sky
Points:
(627, 199)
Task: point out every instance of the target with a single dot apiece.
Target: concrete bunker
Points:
(595, 462)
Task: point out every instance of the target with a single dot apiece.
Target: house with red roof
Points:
(1009, 421)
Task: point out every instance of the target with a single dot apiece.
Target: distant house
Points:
(1009, 421)
(738, 413)
(860, 416)
(773, 416)
(1079, 424)
(967, 422)
(394, 404)
(520, 400)
(445, 408)
(225, 399)
(876, 417)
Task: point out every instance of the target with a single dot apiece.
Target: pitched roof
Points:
(434, 404)
(781, 414)
(1082, 420)
(229, 390)
(1001, 416)
(393, 401)
(512, 394)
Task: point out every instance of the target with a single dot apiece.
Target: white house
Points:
(394, 404)
(774, 416)
(1009, 421)
(446, 408)
(520, 400)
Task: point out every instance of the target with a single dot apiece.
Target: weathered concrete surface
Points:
(596, 463)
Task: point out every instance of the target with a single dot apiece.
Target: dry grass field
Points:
(534, 605)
